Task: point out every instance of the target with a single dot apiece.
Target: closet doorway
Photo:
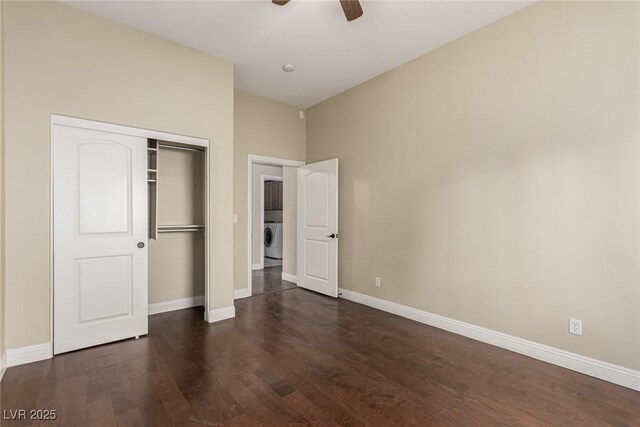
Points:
(107, 187)
(272, 223)
(177, 225)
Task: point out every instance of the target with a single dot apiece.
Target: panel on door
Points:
(100, 237)
(318, 227)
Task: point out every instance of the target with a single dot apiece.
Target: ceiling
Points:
(330, 54)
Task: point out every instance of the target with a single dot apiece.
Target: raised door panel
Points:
(105, 288)
(279, 196)
(103, 175)
(267, 196)
(316, 199)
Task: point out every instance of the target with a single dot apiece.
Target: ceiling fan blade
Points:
(352, 9)
(280, 2)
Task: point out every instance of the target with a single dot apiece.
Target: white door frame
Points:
(258, 160)
(126, 130)
(264, 178)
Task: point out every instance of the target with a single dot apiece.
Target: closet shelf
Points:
(175, 147)
(152, 170)
(151, 180)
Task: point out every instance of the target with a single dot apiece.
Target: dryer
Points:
(273, 240)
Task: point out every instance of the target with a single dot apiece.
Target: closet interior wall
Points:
(176, 254)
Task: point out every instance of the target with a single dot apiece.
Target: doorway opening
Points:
(272, 223)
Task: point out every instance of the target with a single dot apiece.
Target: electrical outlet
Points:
(378, 284)
(575, 326)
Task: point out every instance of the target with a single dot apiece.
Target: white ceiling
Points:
(331, 54)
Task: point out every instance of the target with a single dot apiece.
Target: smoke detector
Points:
(288, 68)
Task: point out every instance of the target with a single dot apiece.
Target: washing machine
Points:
(273, 240)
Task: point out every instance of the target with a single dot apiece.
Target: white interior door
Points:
(100, 237)
(318, 227)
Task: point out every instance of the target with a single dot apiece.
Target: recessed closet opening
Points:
(177, 217)
(130, 229)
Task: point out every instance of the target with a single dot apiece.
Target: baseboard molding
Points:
(32, 353)
(258, 266)
(176, 304)
(289, 277)
(241, 293)
(221, 314)
(596, 368)
(3, 365)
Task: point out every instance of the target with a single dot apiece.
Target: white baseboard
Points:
(32, 353)
(176, 304)
(289, 277)
(258, 266)
(3, 365)
(241, 293)
(221, 314)
(596, 368)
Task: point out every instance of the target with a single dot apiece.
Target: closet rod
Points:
(175, 147)
(182, 226)
(179, 230)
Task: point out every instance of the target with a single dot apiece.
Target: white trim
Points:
(264, 178)
(3, 365)
(32, 353)
(274, 161)
(241, 293)
(207, 233)
(258, 266)
(176, 304)
(223, 313)
(251, 160)
(56, 119)
(290, 277)
(596, 368)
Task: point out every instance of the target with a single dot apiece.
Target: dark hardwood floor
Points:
(269, 279)
(295, 357)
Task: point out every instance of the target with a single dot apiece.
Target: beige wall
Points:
(258, 171)
(176, 266)
(495, 179)
(64, 61)
(176, 260)
(181, 198)
(265, 128)
(290, 219)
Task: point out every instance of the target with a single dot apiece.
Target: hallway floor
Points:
(269, 279)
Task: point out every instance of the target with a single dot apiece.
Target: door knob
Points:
(333, 235)
(141, 245)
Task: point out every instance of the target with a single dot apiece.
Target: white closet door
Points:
(100, 237)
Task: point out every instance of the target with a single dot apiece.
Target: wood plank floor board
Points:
(292, 357)
(269, 280)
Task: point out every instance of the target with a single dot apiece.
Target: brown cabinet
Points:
(273, 195)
